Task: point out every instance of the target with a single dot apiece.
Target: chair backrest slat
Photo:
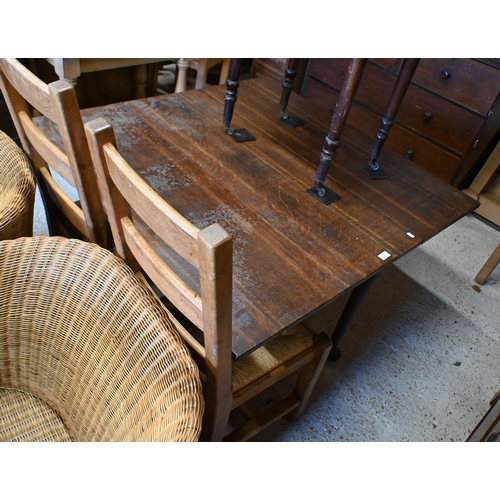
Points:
(176, 231)
(52, 155)
(65, 204)
(162, 275)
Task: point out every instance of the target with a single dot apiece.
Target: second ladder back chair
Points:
(24, 92)
(229, 384)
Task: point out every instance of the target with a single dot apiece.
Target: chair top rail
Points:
(29, 86)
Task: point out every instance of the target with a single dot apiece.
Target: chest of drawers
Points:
(449, 120)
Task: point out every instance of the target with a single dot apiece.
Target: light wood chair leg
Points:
(489, 266)
(182, 68)
(309, 375)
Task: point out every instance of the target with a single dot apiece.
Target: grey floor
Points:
(420, 361)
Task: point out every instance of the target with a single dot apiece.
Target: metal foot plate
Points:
(376, 174)
(329, 196)
(293, 121)
(242, 135)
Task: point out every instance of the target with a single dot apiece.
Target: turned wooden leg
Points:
(352, 79)
(181, 81)
(230, 98)
(290, 74)
(141, 79)
(401, 86)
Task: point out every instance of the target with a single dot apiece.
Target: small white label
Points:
(411, 235)
(384, 255)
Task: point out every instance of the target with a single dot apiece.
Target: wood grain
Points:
(292, 255)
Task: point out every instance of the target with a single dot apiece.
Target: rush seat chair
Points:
(229, 385)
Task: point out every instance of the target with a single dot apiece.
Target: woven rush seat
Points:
(87, 353)
(17, 191)
(266, 358)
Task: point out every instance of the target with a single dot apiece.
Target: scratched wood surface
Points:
(292, 255)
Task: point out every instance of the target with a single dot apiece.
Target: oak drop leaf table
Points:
(292, 254)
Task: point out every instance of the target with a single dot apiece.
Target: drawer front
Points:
(439, 120)
(467, 82)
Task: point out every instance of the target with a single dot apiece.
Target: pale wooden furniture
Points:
(17, 191)
(201, 66)
(229, 385)
(71, 159)
(486, 189)
(488, 428)
(87, 353)
(70, 69)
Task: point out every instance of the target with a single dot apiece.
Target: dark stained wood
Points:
(231, 93)
(411, 145)
(448, 112)
(290, 74)
(401, 86)
(292, 254)
(467, 82)
(339, 118)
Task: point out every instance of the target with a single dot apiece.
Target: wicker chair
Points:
(17, 191)
(86, 351)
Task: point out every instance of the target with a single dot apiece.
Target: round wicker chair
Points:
(17, 191)
(86, 351)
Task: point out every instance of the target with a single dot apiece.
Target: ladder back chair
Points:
(27, 95)
(228, 384)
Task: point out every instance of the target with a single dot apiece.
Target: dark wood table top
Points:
(292, 254)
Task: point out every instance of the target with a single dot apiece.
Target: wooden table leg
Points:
(140, 80)
(351, 307)
(352, 79)
(230, 98)
(401, 86)
(290, 74)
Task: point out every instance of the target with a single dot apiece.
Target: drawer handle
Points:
(445, 74)
(427, 117)
(410, 153)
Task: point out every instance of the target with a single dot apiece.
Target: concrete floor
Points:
(420, 360)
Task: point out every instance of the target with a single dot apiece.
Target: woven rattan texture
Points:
(26, 418)
(17, 191)
(81, 332)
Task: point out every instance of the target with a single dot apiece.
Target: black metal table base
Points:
(376, 173)
(328, 197)
(350, 309)
(293, 121)
(241, 135)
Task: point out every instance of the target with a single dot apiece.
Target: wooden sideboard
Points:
(448, 123)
